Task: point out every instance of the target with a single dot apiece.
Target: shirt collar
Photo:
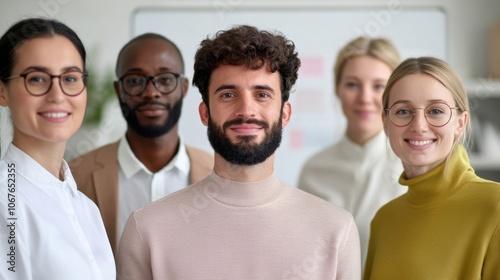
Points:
(36, 174)
(130, 164)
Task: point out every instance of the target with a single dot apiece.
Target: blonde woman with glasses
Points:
(447, 226)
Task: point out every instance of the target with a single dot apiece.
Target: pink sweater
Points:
(221, 229)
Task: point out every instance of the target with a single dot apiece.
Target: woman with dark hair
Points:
(52, 230)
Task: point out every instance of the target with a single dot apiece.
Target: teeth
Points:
(55, 115)
(420, 143)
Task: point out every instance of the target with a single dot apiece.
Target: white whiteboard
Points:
(318, 32)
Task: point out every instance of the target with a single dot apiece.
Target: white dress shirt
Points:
(357, 178)
(48, 230)
(138, 186)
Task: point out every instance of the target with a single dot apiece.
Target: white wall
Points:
(105, 26)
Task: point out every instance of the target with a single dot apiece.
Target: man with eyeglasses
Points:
(151, 160)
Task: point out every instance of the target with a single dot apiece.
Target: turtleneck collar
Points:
(242, 194)
(435, 185)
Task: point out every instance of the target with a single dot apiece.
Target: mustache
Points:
(145, 103)
(263, 124)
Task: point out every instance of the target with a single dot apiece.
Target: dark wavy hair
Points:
(246, 45)
(27, 29)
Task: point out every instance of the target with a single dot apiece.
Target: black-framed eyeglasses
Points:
(135, 84)
(437, 114)
(38, 83)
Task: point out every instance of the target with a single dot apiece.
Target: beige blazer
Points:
(96, 175)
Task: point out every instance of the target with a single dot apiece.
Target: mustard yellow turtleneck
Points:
(447, 226)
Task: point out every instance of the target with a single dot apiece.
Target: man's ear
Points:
(204, 114)
(286, 113)
(116, 86)
(185, 86)
(3, 95)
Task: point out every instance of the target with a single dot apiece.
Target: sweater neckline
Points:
(437, 184)
(243, 194)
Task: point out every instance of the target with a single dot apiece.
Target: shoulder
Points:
(394, 206)
(318, 207)
(105, 154)
(323, 155)
(321, 166)
(198, 153)
(485, 192)
(200, 159)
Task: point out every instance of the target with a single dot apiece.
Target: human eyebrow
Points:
(46, 70)
(263, 87)
(225, 87)
(402, 101)
(349, 78)
(72, 69)
(35, 68)
(165, 69)
(266, 87)
(436, 101)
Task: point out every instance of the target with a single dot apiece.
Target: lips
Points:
(151, 107)
(245, 126)
(363, 113)
(151, 110)
(251, 128)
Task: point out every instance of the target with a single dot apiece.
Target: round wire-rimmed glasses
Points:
(437, 114)
(38, 83)
(135, 84)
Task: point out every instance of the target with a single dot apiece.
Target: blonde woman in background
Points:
(447, 226)
(359, 173)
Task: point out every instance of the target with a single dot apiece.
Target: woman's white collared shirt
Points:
(49, 230)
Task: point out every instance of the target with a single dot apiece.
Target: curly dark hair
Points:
(246, 45)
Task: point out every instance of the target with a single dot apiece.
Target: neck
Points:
(243, 173)
(154, 153)
(360, 138)
(49, 155)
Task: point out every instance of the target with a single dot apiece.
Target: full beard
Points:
(152, 131)
(247, 151)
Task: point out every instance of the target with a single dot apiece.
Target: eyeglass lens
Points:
(39, 83)
(134, 84)
(436, 114)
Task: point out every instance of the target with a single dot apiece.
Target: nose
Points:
(150, 91)
(245, 106)
(55, 93)
(419, 122)
(364, 94)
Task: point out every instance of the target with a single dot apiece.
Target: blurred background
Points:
(464, 33)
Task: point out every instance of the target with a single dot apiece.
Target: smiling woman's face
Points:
(419, 145)
(53, 117)
(360, 91)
